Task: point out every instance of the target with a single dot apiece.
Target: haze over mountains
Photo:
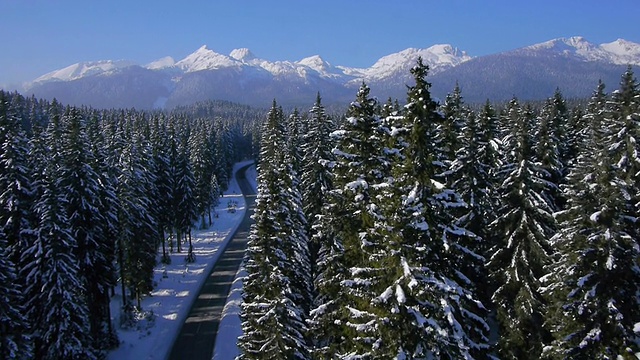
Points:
(530, 73)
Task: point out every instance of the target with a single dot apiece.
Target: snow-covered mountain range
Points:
(438, 57)
(619, 52)
(243, 77)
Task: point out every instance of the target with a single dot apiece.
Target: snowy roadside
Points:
(230, 325)
(177, 285)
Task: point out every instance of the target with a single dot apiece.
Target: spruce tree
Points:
(522, 231)
(593, 287)
(163, 184)
(361, 168)
(315, 175)
(57, 308)
(450, 127)
(136, 239)
(80, 184)
(432, 307)
(547, 155)
(623, 114)
(16, 225)
(186, 210)
(273, 314)
(15, 342)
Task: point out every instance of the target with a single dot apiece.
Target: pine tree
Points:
(522, 231)
(273, 314)
(315, 175)
(432, 308)
(57, 309)
(295, 131)
(136, 239)
(15, 342)
(15, 179)
(103, 332)
(548, 155)
(450, 127)
(186, 210)
(472, 180)
(360, 171)
(15, 227)
(594, 285)
(623, 112)
(201, 166)
(81, 185)
(163, 184)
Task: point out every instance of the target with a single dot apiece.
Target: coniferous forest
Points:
(91, 200)
(440, 230)
(418, 230)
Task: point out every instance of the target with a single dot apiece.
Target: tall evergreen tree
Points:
(360, 171)
(450, 127)
(315, 175)
(472, 180)
(163, 184)
(57, 309)
(522, 231)
(15, 342)
(547, 155)
(16, 196)
(273, 316)
(186, 210)
(15, 179)
(80, 184)
(623, 113)
(593, 287)
(434, 311)
(136, 239)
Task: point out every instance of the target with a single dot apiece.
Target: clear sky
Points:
(39, 36)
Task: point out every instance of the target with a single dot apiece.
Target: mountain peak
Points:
(242, 54)
(314, 62)
(438, 57)
(619, 52)
(163, 63)
(627, 52)
(206, 59)
(83, 69)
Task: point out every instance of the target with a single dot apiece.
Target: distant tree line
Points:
(90, 199)
(434, 231)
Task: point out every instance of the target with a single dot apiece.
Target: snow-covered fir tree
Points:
(137, 235)
(273, 310)
(522, 249)
(432, 308)
(163, 183)
(82, 187)
(15, 342)
(593, 287)
(547, 154)
(472, 180)
(57, 308)
(454, 114)
(623, 114)
(315, 177)
(353, 236)
(185, 196)
(15, 225)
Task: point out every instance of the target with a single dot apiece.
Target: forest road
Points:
(197, 336)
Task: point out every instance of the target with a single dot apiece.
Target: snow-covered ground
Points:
(229, 330)
(178, 284)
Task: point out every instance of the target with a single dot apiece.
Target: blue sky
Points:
(44, 35)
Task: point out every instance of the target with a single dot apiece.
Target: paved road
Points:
(198, 333)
